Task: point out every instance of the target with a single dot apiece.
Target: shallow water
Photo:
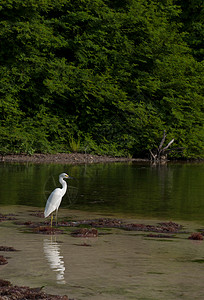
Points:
(117, 264)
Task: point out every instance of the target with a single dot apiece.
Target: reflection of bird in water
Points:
(52, 253)
(55, 198)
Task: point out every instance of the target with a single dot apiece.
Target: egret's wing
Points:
(53, 202)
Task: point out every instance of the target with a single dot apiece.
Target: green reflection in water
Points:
(172, 191)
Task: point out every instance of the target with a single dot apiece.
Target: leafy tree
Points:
(115, 74)
(192, 18)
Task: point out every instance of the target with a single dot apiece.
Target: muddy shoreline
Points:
(67, 158)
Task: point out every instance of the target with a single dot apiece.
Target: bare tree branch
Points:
(169, 144)
(154, 156)
(162, 141)
(160, 154)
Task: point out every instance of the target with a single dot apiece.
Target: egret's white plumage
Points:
(55, 198)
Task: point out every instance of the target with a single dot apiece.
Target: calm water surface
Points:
(118, 265)
(168, 191)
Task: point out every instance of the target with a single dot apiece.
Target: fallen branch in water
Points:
(160, 153)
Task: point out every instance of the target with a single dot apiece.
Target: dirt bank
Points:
(67, 158)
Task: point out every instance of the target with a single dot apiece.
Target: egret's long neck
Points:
(64, 185)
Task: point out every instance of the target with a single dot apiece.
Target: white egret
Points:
(55, 198)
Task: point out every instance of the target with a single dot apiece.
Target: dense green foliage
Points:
(103, 76)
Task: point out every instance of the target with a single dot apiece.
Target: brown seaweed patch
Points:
(196, 236)
(9, 291)
(167, 227)
(170, 226)
(38, 214)
(164, 236)
(29, 224)
(4, 283)
(3, 260)
(138, 227)
(47, 230)
(7, 217)
(5, 248)
(102, 222)
(40, 227)
(85, 232)
(164, 227)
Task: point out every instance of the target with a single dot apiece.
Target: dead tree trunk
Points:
(160, 155)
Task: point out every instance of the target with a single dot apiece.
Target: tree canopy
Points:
(102, 76)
